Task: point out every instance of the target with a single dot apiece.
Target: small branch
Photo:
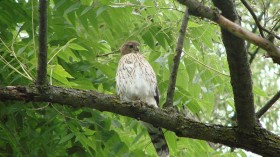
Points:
(254, 29)
(268, 105)
(253, 55)
(272, 50)
(254, 17)
(144, 6)
(33, 31)
(25, 71)
(207, 66)
(106, 54)
(261, 28)
(276, 26)
(42, 57)
(267, 31)
(176, 61)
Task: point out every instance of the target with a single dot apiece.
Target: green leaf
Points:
(194, 106)
(107, 70)
(182, 78)
(148, 38)
(171, 139)
(88, 132)
(87, 2)
(259, 91)
(59, 74)
(76, 46)
(100, 10)
(66, 138)
(193, 24)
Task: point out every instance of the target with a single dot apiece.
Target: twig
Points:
(254, 29)
(254, 16)
(274, 16)
(207, 66)
(61, 48)
(106, 54)
(268, 105)
(144, 6)
(176, 61)
(267, 31)
(33, 30)
(253, 55)
(42, 57)
(25, 74)
(261, 28)
(275, 25)
(2, 59)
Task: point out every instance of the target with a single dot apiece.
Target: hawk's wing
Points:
(156, 96)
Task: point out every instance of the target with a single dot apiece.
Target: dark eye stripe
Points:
(130, 46)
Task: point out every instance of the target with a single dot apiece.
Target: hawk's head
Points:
(130, 47)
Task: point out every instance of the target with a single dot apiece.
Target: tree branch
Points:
(176, 61)
(42, 57)
(106, 54)
(261, 28)
(259, 140)
(253, 55)
(241, 80)
(255, 27)
(268, 105)
(197, 9)
(254, 16)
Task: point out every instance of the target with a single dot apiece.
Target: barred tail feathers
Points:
(158, 140)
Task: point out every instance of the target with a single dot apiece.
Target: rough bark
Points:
(42, 56)
(259, 140)
(241, 80)
(176, 61)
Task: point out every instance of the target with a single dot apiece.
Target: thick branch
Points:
(42, 57)
(176, 61)
(258, 140)
(241, 80)
(268, 105)
(197, 9)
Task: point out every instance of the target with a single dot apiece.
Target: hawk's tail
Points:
(158, 140)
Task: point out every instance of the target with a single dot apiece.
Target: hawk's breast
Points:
(135, 78)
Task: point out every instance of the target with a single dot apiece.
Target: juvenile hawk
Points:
(136, 80)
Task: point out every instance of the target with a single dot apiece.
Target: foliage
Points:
(83, 41)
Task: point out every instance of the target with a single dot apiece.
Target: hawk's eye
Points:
(130, 46)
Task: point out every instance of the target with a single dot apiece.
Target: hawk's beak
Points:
(137, 48)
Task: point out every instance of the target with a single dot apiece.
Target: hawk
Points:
(136, 80)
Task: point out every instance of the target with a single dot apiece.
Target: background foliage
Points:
(83, 41)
